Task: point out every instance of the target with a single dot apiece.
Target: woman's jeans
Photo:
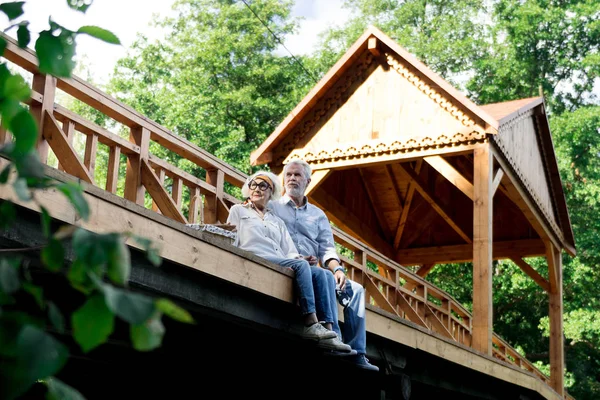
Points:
(316, 291)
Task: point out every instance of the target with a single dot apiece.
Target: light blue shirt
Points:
(309, 228)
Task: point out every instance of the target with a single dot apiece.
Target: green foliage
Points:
(93, 323)
(58, 390)
(100, 33)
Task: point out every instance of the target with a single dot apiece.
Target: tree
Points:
(216, 78)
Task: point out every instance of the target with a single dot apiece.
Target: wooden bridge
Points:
(409, 170)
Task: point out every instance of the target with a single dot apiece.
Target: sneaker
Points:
(317, 332)
(361, 361)
(335, 353)
(334, 343)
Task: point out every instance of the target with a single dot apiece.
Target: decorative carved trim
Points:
(518, 118)
(428, 90)
(378, 148)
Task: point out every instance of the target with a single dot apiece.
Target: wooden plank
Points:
(89, 128)
(371, 195)
(161, 178)
(410, 313)
(451, 174)
(557, 355)
(46, 86)
(317, 178)
(69, 130)
(464, 252)
(195, 205)
(372, 46)
(425, 269)
(436, 324)
(177, 191)
(134, 189)
(533, 274)
(63, 149)
(215, 178)
(174, 172)
(433, 200)
(482, 250)
(112, 177)
(497, 179)
(406, 207)
(165, 203)
(91, 148)
(553, 273)
(375, 293)
(222, 211)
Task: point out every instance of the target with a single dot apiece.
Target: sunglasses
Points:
(263, 186)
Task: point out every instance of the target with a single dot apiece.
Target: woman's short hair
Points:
(275, 193)
(307, 169)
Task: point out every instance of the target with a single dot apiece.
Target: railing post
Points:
(46, 86)
(557, 356)
(482, 249)
(112, 177)
(215, 177)
(161, 178)
(69, 130)
(134, 190)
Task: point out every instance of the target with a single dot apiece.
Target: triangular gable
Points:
(406, 64)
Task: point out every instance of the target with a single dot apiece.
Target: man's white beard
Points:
(295, 191)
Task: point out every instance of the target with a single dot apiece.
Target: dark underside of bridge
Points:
(243, 346)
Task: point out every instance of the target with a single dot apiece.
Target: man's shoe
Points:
(334, 343)
(361, 361)
(335, 353)
(318, 332)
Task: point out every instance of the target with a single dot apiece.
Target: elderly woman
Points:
(264, 234)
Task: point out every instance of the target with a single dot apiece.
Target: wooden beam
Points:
(553, 273)
(432, 199)
(557, 355)
(216, 178)
(497, 179)
(160, 172)
(436, 325)
(397, 192)
(449, 172)
(91, 148)
(69, 130)
(464, 252)
(222, 211)
(406, 207)
(46, 86)
(165, 203)
(177, 191)
(533, 274)
(63, 149)
(134, 189)
(425, 269)
(195, 205)
(317, 178)
(371, 195)
(380, 299)
(112, 177)
(410, 313)
(372, 46)
(350, 223)
(482, 250)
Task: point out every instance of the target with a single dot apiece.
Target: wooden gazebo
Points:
(410, 166)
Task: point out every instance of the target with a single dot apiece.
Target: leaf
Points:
(92, 323)
(152, 253)
(20, 186)
(12, 10)
(25, 131)
(5, 174)
(55, 53)
(173, 311)
(39, 354)
(56, 318)
(132, 307)
(46, 220)
(16, 88)
(29, 165)
(23, 35)
(9, 276)
(37, 293)
(53, 255)
(119, 262)
(2, 45)
(99, 33)
(7, 213)
(90, 249)
(58, 390)
(147, 336)
(80, 5)
(75, 194)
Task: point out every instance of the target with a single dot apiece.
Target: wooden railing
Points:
(393, 287)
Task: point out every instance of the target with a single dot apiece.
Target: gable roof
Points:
(507, 110)
(343, 64)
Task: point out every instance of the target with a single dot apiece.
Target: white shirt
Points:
(309, 228)
(266, 237)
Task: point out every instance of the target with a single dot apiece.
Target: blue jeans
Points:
(316, 292)
(354, 333)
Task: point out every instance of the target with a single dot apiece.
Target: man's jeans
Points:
(316, 291)
(355, 328)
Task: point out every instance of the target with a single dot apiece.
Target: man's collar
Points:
(287, 200)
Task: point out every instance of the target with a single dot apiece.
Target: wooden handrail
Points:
(391, 287)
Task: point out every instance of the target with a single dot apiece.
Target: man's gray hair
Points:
(275, 193)
(307, 169)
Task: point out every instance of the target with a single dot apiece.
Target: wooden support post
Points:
(195, 203)
(112, 178)
(497, 179)
(46, 86)
(406, 207)
(69, 130)
(316, 179)
(177, 191)
(482, 249)
(91, 148)
(557, 355)
(165, 202)
(215, 177)
(161, 178)
(134, 190)
(449, 172)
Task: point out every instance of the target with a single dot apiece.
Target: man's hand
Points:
(340, 277)
(312, 260)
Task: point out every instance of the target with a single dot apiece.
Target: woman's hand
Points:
(312, 260)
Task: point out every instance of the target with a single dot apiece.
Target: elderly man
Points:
(311, 233)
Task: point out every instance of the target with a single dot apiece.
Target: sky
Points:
(126, 18)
